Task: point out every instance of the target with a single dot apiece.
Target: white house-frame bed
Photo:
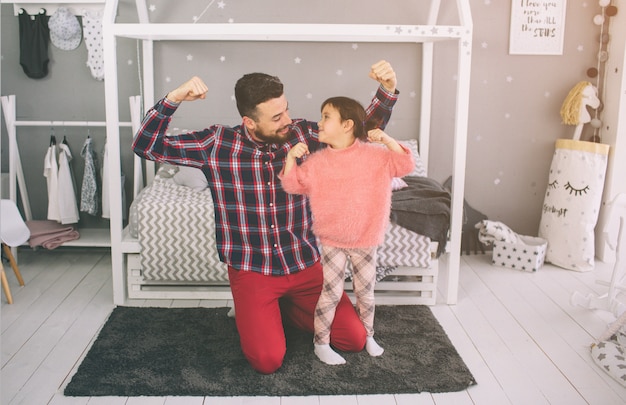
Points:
(125, 248)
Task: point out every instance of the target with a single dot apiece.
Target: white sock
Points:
(372, 347)
(327, 355)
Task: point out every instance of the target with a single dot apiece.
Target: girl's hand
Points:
(377, 135)
(299, 150)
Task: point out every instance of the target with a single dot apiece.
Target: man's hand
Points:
(191, 90)
(383, 73)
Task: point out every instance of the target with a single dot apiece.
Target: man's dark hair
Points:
(253, 89)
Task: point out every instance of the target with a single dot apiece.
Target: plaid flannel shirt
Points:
(259, 227)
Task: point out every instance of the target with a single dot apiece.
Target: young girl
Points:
(349, 188)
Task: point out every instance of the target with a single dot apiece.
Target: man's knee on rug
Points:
(348, 339)
(266, 361)
(347, 333)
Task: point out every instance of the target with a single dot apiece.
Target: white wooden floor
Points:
(517, 332)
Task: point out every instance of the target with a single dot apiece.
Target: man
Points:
(263, 234)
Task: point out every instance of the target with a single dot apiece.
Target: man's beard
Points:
(275, 137)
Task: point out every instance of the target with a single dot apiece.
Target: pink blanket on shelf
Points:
(50, 234)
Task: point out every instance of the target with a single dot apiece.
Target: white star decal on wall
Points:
(130, 62)
(484, 45)
(309, 96)
(221, 4)
(222, 58)
(189, 57)
(297, 60)
(168, 79)
(580, 48)
(195, 18)
(152, 7)
(412, 94)
(546, 94)
(509, 79)
(507, 115)
(230, 20)
(355, 46)
(339, 72)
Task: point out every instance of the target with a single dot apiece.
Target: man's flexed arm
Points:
(192, 89)
(384, 74)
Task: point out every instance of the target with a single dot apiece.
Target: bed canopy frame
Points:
(426, 34)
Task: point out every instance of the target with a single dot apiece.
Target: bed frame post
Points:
(113, 150)
(453, 263)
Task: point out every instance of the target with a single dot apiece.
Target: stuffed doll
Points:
(574, 109)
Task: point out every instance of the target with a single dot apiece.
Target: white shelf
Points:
(92, 237)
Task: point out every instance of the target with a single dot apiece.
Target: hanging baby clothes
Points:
(51, 173)
(89, 189)
(65, 32)
(68, 209)
(34, 37)
(92, 30)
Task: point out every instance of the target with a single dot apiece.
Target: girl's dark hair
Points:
(253, 89)
(350, 109)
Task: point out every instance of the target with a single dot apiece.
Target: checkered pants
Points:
(363, 278)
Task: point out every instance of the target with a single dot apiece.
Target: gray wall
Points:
(515, 100)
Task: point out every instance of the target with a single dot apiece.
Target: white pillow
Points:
(419, 170)
(166, 171)
(398, 184)
(191, 177)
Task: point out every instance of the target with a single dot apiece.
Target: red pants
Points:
(259, 314)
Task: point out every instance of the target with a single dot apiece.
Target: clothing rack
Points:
(89, 237)
(78, 7)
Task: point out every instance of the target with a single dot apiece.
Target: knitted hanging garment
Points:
(89, 190)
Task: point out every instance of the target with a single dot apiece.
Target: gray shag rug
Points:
(196, 352)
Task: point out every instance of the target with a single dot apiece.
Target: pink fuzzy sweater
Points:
(349, 191)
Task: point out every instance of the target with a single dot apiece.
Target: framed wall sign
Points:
(537, 27)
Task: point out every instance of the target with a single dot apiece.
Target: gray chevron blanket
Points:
(176, 229)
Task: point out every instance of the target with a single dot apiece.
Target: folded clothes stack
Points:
(50, 234)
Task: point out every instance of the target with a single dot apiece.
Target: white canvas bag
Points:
(572, 203)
